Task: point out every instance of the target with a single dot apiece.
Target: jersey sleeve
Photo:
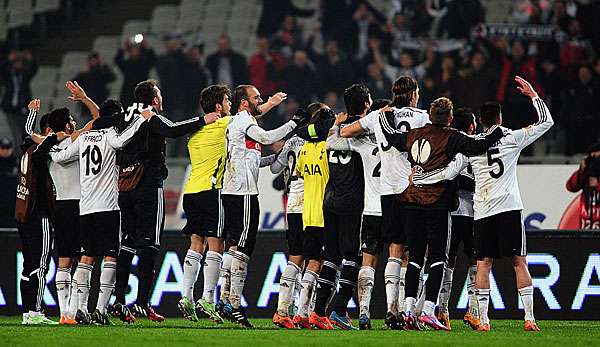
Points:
(118, 141)
(54, 154)
(367, 122)
(70, 153)
(300, 162)
(267, 137)
(337, 143)
(29, 123)
(40, 153)
(165, 127)
(453, 169)
(470, 146)
(267, 160)
(526, 136)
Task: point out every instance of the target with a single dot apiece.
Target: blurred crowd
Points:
(447, 45)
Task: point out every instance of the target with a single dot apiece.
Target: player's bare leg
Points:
(482, 285)
(212, 265)
(287, 284)
(191, 269)
(524, 284)
(366, 282)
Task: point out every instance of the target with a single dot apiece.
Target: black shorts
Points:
(371, 241)
(342, 237)
(500, 235)
(313, 243)
(204, 213)
(142, 216)
(241, 221)
(100, 234)
(462, 232)
(66, 228)
(427, 232)
(393, 223)
(294, 233)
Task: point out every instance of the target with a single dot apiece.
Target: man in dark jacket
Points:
(227, 66)
(134, 61)
(95, 79)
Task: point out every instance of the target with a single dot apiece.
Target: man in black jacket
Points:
(135, 62)
(142, 172)
(227, 66)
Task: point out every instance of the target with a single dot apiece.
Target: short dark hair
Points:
(313, 111)
(355, 98)
(380, 103)
(144, 91)
(58, 119)
(239, 93)
(110, 107)
(211, 96)
(44, 122)
(440, 110)
(489, 113)
(463, 118)
(402, 91)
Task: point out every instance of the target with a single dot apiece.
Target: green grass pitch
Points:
(176, 332)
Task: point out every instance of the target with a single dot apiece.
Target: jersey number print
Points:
(93, 160)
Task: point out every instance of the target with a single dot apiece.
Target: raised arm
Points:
(118, 141)
(34, 107)
(273, 101)
(453, 169)
(265, 137)
(78, 94)
(525, 136)
(267, 160)
(165, 127)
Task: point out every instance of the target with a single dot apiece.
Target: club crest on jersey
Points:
(253, 145)
(420, 151)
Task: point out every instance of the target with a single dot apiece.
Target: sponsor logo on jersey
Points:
(253, 145)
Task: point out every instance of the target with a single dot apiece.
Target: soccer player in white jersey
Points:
(240, 187)
(66, 215)
(499, 229)
(371, 226)
(99, 210)
(395, 170)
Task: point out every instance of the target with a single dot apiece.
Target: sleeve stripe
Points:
(30, 123)
(129, 126)
(385, 124)
(169, 123)
(428, 174)
(541, 110)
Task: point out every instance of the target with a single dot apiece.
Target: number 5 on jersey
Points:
(491, 161)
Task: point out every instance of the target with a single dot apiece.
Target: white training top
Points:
(98, 172)
(496, 185)
(286, 162)
(66, 175)
(366, 146)
(244, 143)
(395, 167)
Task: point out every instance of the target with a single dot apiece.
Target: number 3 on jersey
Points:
(491, 160)
(93, 160)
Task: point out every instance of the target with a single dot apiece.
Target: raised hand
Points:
(525, 87)
(211, 117)
(77, 93)
(34, 105)
(278, 98)
(341, 118)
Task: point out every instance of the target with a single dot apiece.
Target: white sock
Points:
(225, 274)
(309, 281)
(473, 307)
(108, 277)
(212, 267)
(63, 289)
(286, 287)
(429, 307)
(401, 288)
(483, 301)
(421, 290)
(73, 299)
(191, 269)
(392, 279)
(239, 271)
(297, 288)
(409, 304)
(82, 276)
(526, 294)
(366, 282)
(444, 295)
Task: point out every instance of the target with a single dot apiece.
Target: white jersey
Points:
(496, 186)
(395, 167)
(66, 175)
(286, 162)
(465, 197)
(366, 147)
(244, 144)
(98, 172)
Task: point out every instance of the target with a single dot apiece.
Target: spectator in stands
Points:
(462, 16)
(135, 62)
(227, 66)
(8, 183)
(266, 67)
(171, 68)
(522, 11)
(364, 25)
(581, 112)
(94, 79)
(445, 77)
(587, 179)
(558, 16)
(302, 80)
(333, 100)
(576, 49)
(379, 84)
(197, 78)
(17, 73)
(289, 38)
(335, 69)
(476, 83)
(274, 12)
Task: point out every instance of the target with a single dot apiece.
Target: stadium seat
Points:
(164, 19)
(42, 6)
(107, 47)
(20, 13)
(4, 126)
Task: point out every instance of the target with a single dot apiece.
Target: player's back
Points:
(98, 172)
(367, 147)
(63, 175)
(313, 166)
(293, 182)
(208, 151)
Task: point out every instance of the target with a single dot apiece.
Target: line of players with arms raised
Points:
(383, 173)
